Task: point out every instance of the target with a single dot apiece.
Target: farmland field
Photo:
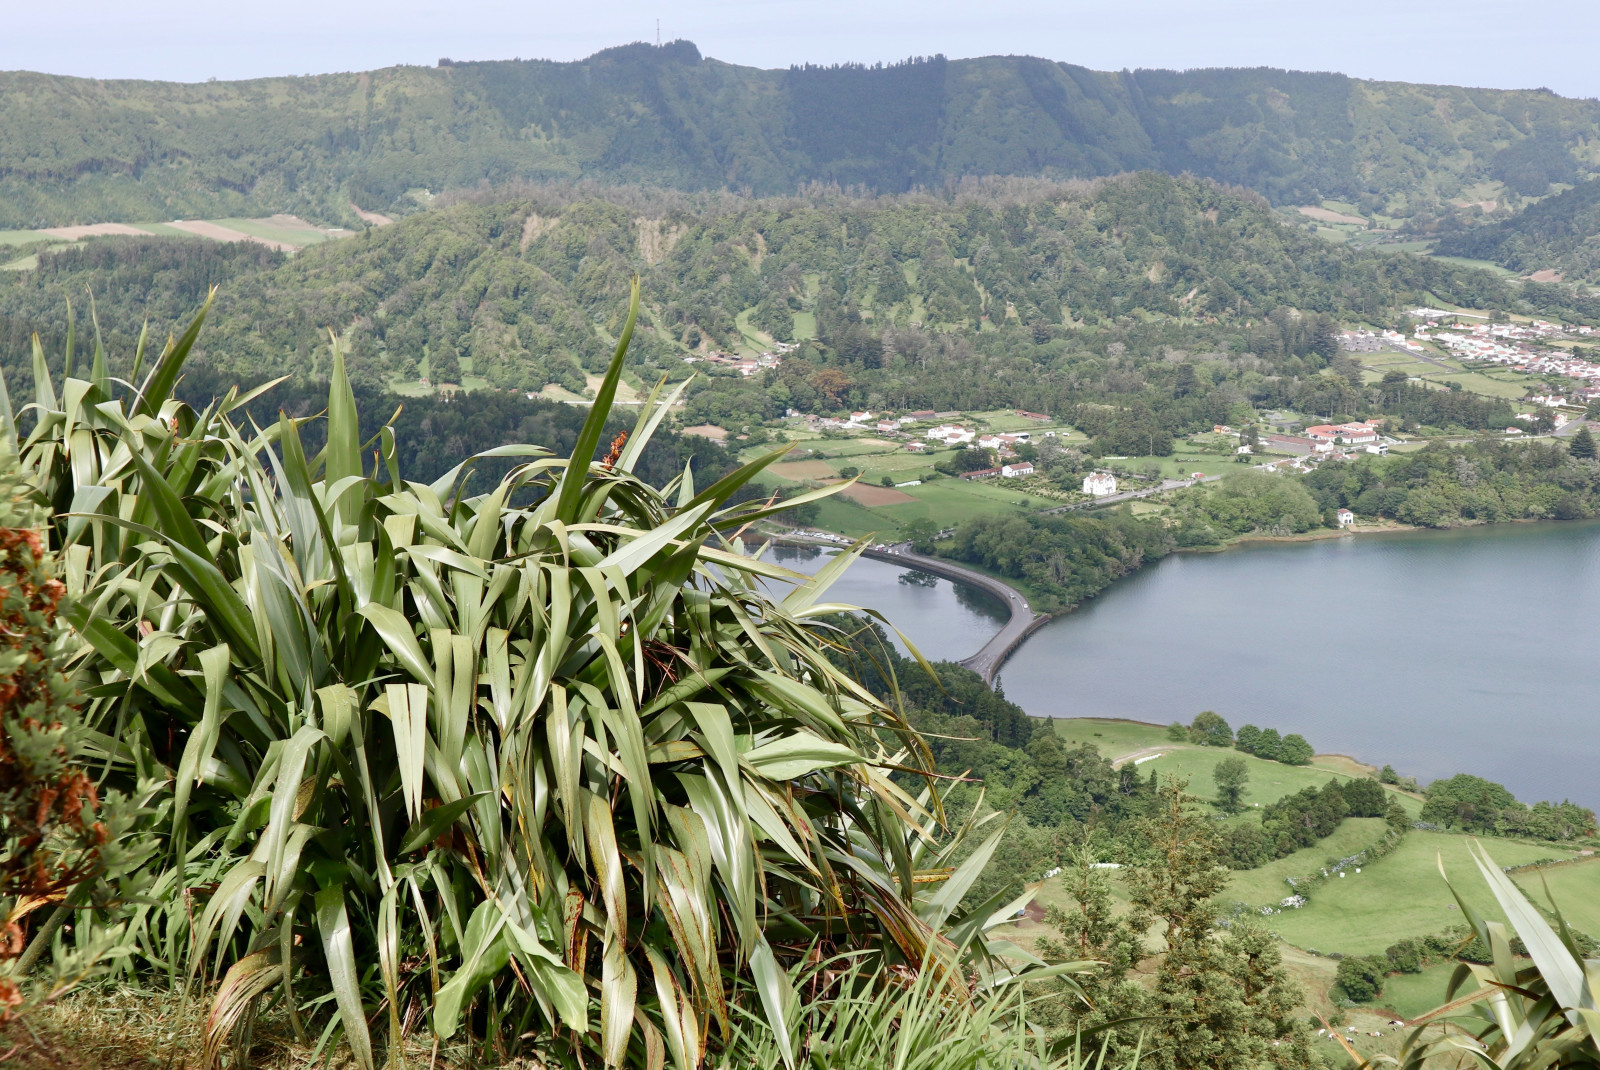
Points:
(1403, 895)
(871, 496)
(1412, 994)
(791, 470)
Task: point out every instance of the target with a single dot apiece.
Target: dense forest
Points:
(1129, 305)
(1561, 234)
(80, 150)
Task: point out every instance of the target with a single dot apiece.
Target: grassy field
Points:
(1574, 889)
(1403, 895)
(1265, 885)
(266, 228)
(1410, 995)
(1484, 264)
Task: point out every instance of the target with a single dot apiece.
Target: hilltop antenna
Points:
(658, 33)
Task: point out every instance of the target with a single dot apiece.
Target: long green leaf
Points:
(570, 491)
(164, 376)
(338, 950)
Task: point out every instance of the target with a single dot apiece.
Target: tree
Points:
(1582, 445)
(1230, 775)
(1361, 977)
(920, 533)
(444, 366)
(1221, 1003)
(1178, 732)
(1387, 775)
(1270, 745)
(1210, 730)
(1365, 797)
(1089, 928)
(1248, 739)
(1295, 750)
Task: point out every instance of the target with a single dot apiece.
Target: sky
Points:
(1460, 42)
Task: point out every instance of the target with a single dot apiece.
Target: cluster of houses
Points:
(1326, 438)
(1509, 344)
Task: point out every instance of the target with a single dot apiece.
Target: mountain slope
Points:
(76, 150)
(530, 291)
(1561, 234)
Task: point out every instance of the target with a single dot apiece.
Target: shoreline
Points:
(987, 662)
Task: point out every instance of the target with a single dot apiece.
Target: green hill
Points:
(904, 291)
(1561, 233)
(82, 150)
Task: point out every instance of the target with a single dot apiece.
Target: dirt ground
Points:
(93, 230)
(216, 232)
(1324, 215)
(803, 470)
(712, 431)
(870, 495)
(377, 219)
(1547, 275)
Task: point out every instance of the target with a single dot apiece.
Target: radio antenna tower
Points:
(658, 33)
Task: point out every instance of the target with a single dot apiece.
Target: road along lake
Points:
(1473, 650)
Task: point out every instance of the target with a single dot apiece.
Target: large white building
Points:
(1099, 484)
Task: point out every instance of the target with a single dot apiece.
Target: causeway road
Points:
(987, 661)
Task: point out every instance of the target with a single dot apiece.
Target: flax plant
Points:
(541, 765)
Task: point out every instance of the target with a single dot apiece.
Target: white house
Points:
(950, 434)
(1346, 518)
(1021, 468)
(1099, 484)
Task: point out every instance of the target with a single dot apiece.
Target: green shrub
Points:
(61, 845)
(1361, 977)
(541, 759)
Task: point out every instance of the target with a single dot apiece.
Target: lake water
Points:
(1438, 652)
(946, 621)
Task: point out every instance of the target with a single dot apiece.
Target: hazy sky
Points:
(1465, 42)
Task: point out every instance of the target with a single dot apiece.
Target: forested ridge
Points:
(1561, 234)
(82, 150)
(1004, 292)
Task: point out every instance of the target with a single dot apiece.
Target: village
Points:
(1531, 347)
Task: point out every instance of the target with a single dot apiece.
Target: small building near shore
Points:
(1346, 518)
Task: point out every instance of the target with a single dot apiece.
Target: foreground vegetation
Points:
(374, 766)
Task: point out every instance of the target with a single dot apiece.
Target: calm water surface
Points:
(946, 621)
(1437, 652)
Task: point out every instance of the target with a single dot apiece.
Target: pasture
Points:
(1403, 894)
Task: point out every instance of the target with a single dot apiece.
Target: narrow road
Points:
(987, 661)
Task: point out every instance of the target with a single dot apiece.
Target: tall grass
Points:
(853, 1019)
(540, 764)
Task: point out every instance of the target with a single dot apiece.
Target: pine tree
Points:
(1088, 928)
(1582, 445)
(1219, 1002)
